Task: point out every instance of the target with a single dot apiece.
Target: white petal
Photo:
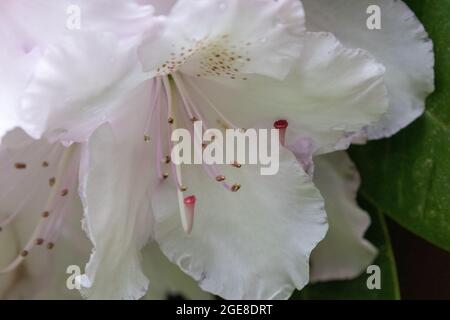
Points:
(251, 244)
(117, 178)
(402, 46)
(161, 6)
(9, 248)
(48, 276)
(260, 35)
(344, 253)
(43, 274)
(331, 93)
(78, 85)
(43, 22)
(167, 279)
(15, 72)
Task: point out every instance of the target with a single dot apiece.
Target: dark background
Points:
(423, 269)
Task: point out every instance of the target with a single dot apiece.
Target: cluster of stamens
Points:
(165, 88)
(47, 229)
(164, 106)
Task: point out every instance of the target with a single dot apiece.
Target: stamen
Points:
(154, 104)
(20, 165)
(180, 84)
(50, 245)
(39, 241)
(220, 178)
(165, 176)
(24, 253)
(281, 125)
(236, 187)
(45, 214)
(159, 150)
(176, 171)
(64, 192)
(53, 228)
(211, 170)
(51, 182)
(236, 165)
(45, 164)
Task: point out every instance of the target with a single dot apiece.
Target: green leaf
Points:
(407, 177)
(357, 289)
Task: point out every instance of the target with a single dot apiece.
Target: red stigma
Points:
(190, 200)
(280, 124)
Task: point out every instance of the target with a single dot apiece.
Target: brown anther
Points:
(50, 245)
(220, 178)
(20, 165)
(45, 164)
(236, 165)
(51, 182)
(236, 187)
(64, 192)
(146, 138)
(183, 189)
(45, 214)
(39, 241)
(24, 253)
(194, 119)
(170, 121)
(165, 176)
(166, 159)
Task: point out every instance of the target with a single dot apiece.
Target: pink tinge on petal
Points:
(360, 137)
(303, 149)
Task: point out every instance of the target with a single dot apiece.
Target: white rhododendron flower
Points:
(86, 124)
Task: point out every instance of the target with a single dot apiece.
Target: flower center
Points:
(210, 57)
(164, 108)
